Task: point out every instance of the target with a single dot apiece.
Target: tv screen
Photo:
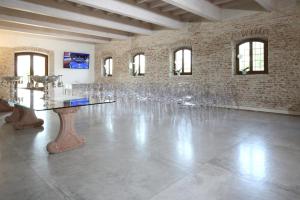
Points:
(77, 102)
(76, 60)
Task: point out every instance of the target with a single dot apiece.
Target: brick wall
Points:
(6, 61)
(213, 45)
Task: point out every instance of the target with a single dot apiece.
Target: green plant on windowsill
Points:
(245, 71)
(178, 71)
(135, 73)
(105, 71)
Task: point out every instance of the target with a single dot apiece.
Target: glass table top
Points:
(32, 99)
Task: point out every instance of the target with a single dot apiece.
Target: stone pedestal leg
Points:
(67, 138)
(22, 118)
(5, 107)
(15, 116)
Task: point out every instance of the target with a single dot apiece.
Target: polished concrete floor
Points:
(155, 152)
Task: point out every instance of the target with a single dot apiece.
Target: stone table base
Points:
(15, 116)
(67, 138)
(5, 107)
(22, 118)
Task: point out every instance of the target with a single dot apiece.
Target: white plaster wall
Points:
(14, 39)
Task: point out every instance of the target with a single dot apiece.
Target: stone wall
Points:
(7, 58)
(6, 61)
(213, 45)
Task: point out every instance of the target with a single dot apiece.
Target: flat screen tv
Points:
(77, 102)
(76, 60)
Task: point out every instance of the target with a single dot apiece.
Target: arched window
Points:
(183, 61)
(139, 63)
(252, 57)
(29, 64)
(108, 66)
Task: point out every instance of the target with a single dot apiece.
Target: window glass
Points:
(187, 61)
(23, 68)
(108, 67)
(29, 64)
(142, 64)
(39, 63)
(252, 57)
(178, 61)
(183, 61)
(244, 56)
(139, 62)
(258, 56)
(136, 64)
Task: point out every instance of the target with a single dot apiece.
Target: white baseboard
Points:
(286, 112)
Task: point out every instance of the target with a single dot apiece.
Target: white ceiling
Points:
(100, 21)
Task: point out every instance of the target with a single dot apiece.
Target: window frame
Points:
(104, 61)
(174, 59)
(139, 67)
(251, 41)
(31, 54)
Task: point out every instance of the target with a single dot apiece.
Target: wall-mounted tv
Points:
(77, 102)
(76, 60)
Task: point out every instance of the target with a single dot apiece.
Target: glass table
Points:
(25, 102)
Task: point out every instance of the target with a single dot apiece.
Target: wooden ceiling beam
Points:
(141, 1)
(73, 16)
(169, 8)
(132, 11)
(179, 12)
(271, 5)
(157, 4)
(52, 35)
(201, 8)
(55, 26)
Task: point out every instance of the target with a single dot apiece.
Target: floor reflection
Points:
(140, 131)
(252, 160)
(109, 124)
(40, 138)
(184, 144)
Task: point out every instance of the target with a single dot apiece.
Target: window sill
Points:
(251, 74)
(175, 75)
